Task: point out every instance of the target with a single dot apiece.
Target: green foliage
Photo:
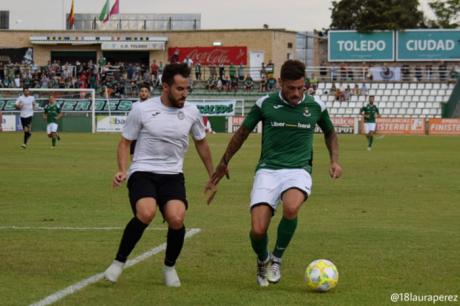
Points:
(390, 224)
(370, 15)
(447, 13)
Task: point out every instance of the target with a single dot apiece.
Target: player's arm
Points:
(122, 160)
(202, 147)
(332, 144)
(130, 132)
(18, 104)
(60, 114)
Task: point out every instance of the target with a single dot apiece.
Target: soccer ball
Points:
(321, 275)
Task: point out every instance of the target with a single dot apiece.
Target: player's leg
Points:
(173, 204)
(174, 213)
(297, 186)
(264, 198)
(142, 193)
(27, 128)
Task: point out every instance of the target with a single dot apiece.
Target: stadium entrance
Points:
(134, 57)
(73, 56)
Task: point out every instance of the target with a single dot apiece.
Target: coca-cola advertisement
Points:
(210, 55)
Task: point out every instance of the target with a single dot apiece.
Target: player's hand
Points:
(210, 191)
(219, 173)
(19, 106)
(335, 170)
(119, 178)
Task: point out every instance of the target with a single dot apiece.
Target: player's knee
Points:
(290, 212)
(176, 221)
(258, 230)
(145, 215)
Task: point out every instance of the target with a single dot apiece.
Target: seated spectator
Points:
(234, 84)
(356, 91)
(219, 85)
(271, 84)
(333, 89)
(211, 84)
(314, 81)
(248, 83)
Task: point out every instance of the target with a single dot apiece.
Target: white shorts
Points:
(269, 185)
(369, 127)
(51, 128)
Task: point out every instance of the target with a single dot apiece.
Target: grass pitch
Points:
(391, 225)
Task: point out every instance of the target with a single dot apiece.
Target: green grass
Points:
(391, 224)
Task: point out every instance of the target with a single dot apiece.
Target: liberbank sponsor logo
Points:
(291, 125)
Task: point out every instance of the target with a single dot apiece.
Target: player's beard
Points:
(177, 103)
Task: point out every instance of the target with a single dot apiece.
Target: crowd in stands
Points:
(123, 79)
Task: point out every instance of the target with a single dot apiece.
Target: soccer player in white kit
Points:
(26, 104)
(161, 126)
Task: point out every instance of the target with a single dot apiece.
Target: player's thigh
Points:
(142, 195)
(146, 209)
(266, 188)
(172, 198)
(296, 186)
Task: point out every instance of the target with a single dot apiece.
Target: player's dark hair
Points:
(292, 70)
(145, 85)
(171, 70)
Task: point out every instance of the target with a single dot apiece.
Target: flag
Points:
(104, 15)
(115, 8)
(72, 15)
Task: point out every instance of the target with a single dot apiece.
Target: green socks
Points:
(286, 230)
(260, 246)
(53, 141)
(371, 139)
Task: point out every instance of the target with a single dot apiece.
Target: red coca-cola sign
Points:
(211, 55)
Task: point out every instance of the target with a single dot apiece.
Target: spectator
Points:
(241, 72)
(248, 83)
(263, 83)
(174, 57)
(198, 71)
(418, 73)
(221, 71)
(211, 83)
(314, 81)
(232, 72)
(442, 71)
(364, 90)
(213, 71)
(356, 91)
(343, 71)
(270, 69)
(154, 70)
(405, 71)
(263, 72)
(323, 71)
(333, 73)
(188, 61)
(271, 84)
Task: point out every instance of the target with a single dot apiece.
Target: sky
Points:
(296, 15)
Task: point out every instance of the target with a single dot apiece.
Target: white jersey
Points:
(162, 135)
(27, 109)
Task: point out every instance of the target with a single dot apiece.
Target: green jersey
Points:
(287, 134)
(369, 113)
(52, 111)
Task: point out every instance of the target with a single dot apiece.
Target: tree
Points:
(370, 15)
(447, 13)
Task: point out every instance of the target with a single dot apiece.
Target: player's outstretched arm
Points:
(122, 159)
(332, 144)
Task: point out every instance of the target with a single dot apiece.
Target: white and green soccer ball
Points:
(321, 275)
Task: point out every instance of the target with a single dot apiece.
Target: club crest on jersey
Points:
(306, 112)
(180, 115)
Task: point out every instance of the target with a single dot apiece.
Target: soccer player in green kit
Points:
(369, 112)
(289, 118)
(52, 113)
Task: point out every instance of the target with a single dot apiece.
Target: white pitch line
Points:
(97, 277)
(68, 228)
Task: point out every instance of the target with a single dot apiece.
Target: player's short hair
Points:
(171, 70)
(144, 85)
(292, 70)
(371, 96)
